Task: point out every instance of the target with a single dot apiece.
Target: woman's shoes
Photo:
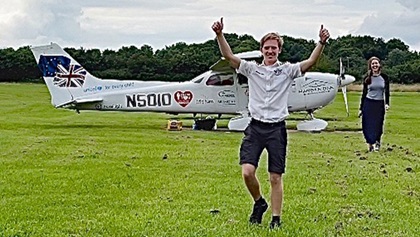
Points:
(370, 148)
(374, 147)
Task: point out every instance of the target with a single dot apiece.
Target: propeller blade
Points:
(344, 90)
(342, 69)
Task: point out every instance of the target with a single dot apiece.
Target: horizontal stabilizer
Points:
(80, 101)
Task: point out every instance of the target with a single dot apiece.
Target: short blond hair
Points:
(271, 36)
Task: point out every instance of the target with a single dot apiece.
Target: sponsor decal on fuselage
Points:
(226, 102)
(204, 101)
(316, 87)
(183, 98)
(226, 97)
(226, 94)
(93, 89)
(98, 88)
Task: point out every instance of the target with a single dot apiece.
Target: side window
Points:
(227, 80)
(214, 80)
(220, 80)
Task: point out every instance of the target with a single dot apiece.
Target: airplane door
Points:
(220, 86)
(297, 99)
(241, 91)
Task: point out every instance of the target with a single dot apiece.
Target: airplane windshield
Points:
(199, 78)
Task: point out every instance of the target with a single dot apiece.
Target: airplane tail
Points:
(66, 79)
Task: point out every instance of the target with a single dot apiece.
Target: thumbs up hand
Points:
(324, 35)
(218, 26)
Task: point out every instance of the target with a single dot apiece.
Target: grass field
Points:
(124, 174)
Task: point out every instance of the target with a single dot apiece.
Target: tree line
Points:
(181, 61)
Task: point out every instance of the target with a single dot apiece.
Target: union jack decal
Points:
(64, 73)
(74, 76)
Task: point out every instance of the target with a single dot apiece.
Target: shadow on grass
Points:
(98, 126)
(307, 118)
(131, 126)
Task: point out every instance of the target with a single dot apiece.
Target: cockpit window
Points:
(198, 80)
(213, 80)
(220, 80)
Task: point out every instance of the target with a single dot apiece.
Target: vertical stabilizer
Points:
(65, 78)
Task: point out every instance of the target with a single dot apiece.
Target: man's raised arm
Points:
(324, 35)
(224, 46)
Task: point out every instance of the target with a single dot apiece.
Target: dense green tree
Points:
(182, 61)
(18, 65)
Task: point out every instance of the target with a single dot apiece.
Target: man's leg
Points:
(251, 149)
(276, 148)
(251, 181)
(276, 182)
(253, 186)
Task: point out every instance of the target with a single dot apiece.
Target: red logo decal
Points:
(183, 98)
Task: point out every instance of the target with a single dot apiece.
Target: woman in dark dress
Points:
(374, 103)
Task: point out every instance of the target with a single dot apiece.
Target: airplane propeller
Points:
(344, 88)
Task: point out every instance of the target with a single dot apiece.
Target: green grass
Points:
(103, 174)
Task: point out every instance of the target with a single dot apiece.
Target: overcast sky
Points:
(111, 24)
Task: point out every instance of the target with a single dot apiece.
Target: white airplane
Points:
(218, 91)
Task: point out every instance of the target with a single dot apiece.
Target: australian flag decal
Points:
(64, 73)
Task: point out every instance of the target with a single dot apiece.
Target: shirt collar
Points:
(276, 64)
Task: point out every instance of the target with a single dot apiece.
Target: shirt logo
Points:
(277, 71)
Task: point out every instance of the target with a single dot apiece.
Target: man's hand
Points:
(218, 26)
(359, 114)
(386, 107)
(324, 35)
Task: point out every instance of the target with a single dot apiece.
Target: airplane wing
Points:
(223, 64)
(249, 55)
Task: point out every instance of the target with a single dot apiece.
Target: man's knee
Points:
(275, 178)
(248, 171)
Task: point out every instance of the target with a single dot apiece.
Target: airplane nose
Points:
(348, 79)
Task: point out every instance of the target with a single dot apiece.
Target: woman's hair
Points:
(368, 79)
(270, 36)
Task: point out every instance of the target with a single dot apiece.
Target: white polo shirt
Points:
(269, 89)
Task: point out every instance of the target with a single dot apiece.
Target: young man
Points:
(269, 85)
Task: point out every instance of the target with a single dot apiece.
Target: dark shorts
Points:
(259, 135)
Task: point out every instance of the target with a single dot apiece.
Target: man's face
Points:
(270, 51)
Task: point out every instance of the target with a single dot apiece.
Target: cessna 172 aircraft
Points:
(218, 91)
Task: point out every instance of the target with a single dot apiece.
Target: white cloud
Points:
(112, 24)
(402, 24)
(411, 4)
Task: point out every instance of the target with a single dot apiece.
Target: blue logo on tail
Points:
(64, 73)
